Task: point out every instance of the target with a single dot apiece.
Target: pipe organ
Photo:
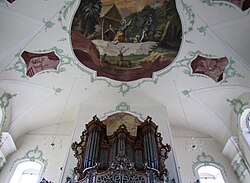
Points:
(133, 153)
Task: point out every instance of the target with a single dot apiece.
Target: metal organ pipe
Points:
(96, 148)
(121, 145)
(87, 151)
(146, 150)
(92, 149)
(154, 149)
(150, 150)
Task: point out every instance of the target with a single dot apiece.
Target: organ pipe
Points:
(145, 150)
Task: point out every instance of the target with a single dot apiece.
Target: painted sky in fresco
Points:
(131, 4)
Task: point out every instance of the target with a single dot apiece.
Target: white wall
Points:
(64, 155)
(244, 140)
(187, 158)
(55, 157)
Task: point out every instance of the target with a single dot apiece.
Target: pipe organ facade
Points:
(113, 151)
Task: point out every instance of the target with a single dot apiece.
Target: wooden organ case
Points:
(134, 156)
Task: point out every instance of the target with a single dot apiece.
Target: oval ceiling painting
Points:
(126, 40)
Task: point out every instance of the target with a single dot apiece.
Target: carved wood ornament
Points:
(120, 157)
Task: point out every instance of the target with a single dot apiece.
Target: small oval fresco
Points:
(242, 4)
(11, 1)
(211, 67)
(114, 121)
(126, 40)
(38, 62)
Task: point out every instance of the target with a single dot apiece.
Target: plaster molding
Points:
(7, 146)
(123, 107)
(2, 160)
(219, 3)
(205, 160)
(234, 154)
(20, 66)
(230, 148)
(190, 15)
(240, 167)
(238, 106)
(4, 104)
(32, 155)
(64, 12)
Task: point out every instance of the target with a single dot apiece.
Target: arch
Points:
(26, 171)
(210, 173)
(244, 123)
(238, 106)
(32, 160)
(123, 107)
(241, 127)
(248, 121)
(205, 161)
(240, 121)
(1, 118)
(244, 120)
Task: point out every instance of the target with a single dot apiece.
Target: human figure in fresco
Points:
(121, 58)
(213, 68)
(120, 34)
(147, 33)
(104, 58)
(37, 62)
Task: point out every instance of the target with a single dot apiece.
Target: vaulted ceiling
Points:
(212, 30)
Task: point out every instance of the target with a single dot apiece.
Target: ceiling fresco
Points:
(89, 52)
(11, 1)
(128, 40)
(212, 68)
(242, 4)
(114, 121)
(36, 63)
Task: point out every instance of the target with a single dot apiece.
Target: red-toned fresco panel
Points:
(211, 67)
(243, 4)
(36, 63)
(114, 121)
(126, 40)
(11, 1)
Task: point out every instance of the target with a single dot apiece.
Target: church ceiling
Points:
(190, 54)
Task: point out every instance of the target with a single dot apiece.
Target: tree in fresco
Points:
(155, 24)
(142, 23)
(171, 33)
(89, 14)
